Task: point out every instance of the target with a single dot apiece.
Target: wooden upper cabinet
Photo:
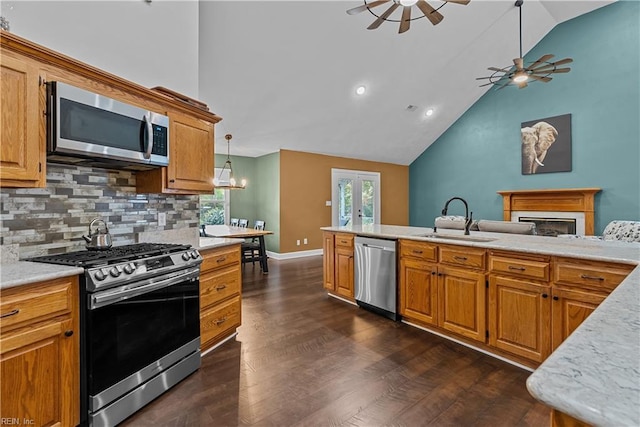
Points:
(191, 159)
(22, 124)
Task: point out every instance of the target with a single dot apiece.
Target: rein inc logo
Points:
(17, 421)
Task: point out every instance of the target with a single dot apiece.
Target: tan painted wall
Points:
(305, 185)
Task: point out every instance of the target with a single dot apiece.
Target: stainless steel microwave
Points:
(90, 129)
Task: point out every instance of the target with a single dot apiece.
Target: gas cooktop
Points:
(116, 254)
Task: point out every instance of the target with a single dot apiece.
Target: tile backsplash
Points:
(53, 219)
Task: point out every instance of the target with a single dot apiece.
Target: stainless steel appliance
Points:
(100, 240)
(90, 129)
(375, 276)
(140, 325)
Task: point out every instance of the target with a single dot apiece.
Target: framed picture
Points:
(546, 145)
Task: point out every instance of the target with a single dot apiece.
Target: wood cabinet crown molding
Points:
(12, 42)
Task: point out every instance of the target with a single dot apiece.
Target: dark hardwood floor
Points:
(302, 358)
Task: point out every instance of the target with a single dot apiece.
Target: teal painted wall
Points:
(480, 153)
(268, 197)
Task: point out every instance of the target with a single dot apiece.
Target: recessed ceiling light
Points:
(429, 112)
(360, 90)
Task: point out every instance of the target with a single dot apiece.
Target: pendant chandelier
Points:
(231, 183)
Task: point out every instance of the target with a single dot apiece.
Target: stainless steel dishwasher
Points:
(375, 276)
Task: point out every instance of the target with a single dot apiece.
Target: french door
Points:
(355, 197)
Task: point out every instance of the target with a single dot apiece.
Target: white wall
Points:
(153, 44)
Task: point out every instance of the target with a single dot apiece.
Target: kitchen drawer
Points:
(30, 303)
(218, 285)
(601, 276)
(220, 320)
(419, 250)
(463, 256)
(524, 268)
(218, 258)
(344, 240)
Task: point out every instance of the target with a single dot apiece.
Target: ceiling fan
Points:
(539, 70)
(427, 10)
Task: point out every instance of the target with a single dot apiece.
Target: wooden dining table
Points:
(243, 233)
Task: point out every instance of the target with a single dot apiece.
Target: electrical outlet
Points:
(162, 219)
(298, 242)
(305, 241)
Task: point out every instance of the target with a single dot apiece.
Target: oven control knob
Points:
(99, 275)
(185, 256)
(129, 268)
(114, 272)
(194, 254)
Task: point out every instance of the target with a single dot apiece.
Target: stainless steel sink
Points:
(459, 238)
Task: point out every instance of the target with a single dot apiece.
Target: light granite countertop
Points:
(214, 242)
(594, 375)
(26, 272)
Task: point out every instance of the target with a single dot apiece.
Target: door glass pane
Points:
(345, 199)
(368, 201)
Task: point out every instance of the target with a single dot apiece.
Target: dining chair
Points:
(251, 248)
(233, 222)
(243, 223)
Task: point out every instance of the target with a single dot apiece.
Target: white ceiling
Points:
(283, 74)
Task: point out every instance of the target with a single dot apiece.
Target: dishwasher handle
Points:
(378, 247)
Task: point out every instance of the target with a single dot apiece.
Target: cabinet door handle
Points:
(555, 298)
(433, 273)
(511, 267)
(439, 274)
(68, 333)
(460, 258)
(544, 295)
(221, 259)
(11, 313)
(587, 277)
(221, 321)
(221, 287)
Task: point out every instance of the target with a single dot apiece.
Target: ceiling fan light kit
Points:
(521, 76)
(426, 10)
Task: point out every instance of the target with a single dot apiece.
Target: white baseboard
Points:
(291, 255)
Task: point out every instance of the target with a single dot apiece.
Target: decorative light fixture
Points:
(427, 10)
(231, 184)
(521, 76)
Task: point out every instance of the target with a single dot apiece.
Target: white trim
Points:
(356, 198)
(292, 255)
(219, 344)
(578, 216)
(488, 353)
(342, 299)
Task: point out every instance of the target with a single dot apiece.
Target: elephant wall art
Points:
(546, 145)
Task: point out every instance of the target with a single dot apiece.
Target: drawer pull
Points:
(221, 287)
(68, 333)
(11, 313)
(344, 242)
(460, 258)
(415, 251)
(221, 259)
(587, 277)
(511, 267)
(220, 321)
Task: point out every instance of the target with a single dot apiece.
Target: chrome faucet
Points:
(468, 216)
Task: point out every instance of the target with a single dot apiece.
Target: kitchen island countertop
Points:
(595, 373)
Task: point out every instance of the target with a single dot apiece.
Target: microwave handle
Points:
(147, 120)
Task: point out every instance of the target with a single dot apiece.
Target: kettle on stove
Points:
(100, 239)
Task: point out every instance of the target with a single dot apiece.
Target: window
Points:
(214, 208)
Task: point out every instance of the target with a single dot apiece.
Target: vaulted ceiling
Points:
(283, 74)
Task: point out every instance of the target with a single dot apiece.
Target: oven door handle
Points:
(101, 299)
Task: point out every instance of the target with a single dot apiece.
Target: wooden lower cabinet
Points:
(39, 353)
(344, 271)
(461, 294)
(328, 276)
(570, 308)
(419, 290)
(220, 294)
(519, 317)
(560, 419)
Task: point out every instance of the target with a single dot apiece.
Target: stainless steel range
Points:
(140, 327)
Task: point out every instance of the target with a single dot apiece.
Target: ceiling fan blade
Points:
(541, 78)
(542, 59)
(483, 78)
(432, 15)
(486, 84)
(519, 63)
(382, 17)
(366, 6)
(462, 2)
(550, 70)
(406, 19)
(551, 66)
(497, 69)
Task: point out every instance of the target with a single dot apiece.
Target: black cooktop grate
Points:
(115, 254)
